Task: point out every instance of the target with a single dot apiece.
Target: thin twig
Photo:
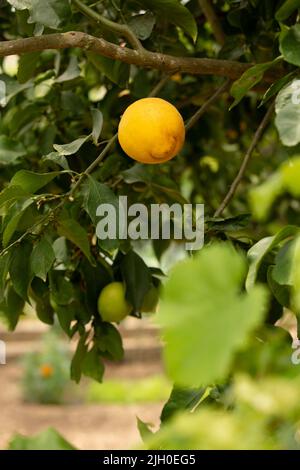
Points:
(213, 20)
(206, 105)
(159, 86)
(94, 164)
(243, 167)
(121, 29)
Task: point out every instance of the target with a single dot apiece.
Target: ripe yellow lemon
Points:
(112, 304)
(151, 131)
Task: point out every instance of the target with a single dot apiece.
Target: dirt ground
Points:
(87, 426)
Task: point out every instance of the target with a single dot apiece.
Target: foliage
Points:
(147, 390)
(60, 110)
(45, 377)
(46, 440)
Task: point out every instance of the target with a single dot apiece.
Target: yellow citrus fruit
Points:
(112, 304)
(151, 131)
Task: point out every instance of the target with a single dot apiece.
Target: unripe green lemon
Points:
(112, 304)
(150, 300)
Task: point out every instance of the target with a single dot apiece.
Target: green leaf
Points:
(57, 158)
(137, 277)
(283, 271)
(50, 13)
(97, 124)
(40, 293)
(27, 66)
(61, 289)
(290, 174)
(10, 151)
(285, 11)
(71, 72)
(73, 231)
(276, 87)
(4, 267)
(257, 253)
(92, 365)
(77, 359)
(248, 80)
(12, 219)
(12, 307)
(287, 110)
(144, 429)
(19, 270)
(95, 194)
(42, 258)
(32, 182)
(142, 25)
(11, 194)
(262, 197)
(72, 147)
(181, 399)
(280, 292)
(204, 315)
(108, 340)
(289, 42)
(115, 70)
(45, 440)
(20, 4)
(175, 12)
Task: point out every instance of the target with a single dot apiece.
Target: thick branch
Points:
(232, 190)
(142, 58)
(213, 20)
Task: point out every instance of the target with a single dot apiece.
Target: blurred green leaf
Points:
(10, 151)
(288, 113)
(198, 323)
(288, 7)
(257, 253)
(92, 365)
(46, 440)
(27, 66)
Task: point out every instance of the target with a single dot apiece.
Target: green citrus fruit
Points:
(150, 300)
(112, 304)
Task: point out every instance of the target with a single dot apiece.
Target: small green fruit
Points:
(112, 304)
(150, 300)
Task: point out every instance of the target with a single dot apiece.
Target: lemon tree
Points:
(166, 103)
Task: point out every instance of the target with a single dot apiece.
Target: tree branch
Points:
(213, 20)
(142, 58)
(190, 123)
(121, 29)
(241, 172)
